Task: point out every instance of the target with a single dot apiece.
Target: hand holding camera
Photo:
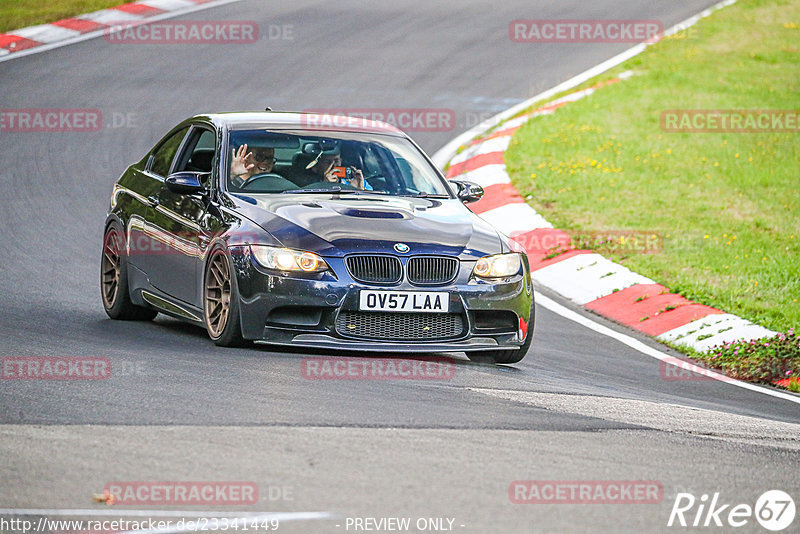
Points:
(348, 175)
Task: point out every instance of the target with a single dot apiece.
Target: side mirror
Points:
(185, 182)
(467, 191)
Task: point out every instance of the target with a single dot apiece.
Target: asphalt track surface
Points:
(581, 406)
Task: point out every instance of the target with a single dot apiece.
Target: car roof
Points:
(285, 120)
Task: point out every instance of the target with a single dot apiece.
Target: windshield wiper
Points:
(425, 195)
(334, 190)
(338, 190)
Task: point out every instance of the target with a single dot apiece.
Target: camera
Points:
(343, 172)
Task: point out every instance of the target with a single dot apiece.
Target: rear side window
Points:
(162, 157)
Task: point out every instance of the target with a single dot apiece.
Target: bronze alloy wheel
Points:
(110, 267)
(114, 280)
(218, 295)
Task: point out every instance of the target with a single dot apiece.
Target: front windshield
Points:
(276, 162)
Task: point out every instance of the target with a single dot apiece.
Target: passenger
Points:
(245, 165)
(325, 171)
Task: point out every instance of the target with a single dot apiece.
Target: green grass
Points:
(766, 360)
(726, 204)
(16, 14)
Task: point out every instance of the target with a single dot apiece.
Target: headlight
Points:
(286, 259)
(498, 266)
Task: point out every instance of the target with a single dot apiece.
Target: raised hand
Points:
(329, 173)
(239, 164)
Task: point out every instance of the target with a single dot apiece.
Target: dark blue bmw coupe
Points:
(297, 229)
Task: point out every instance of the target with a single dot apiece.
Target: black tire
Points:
(221, 302)
(507, 356)
(114, 280)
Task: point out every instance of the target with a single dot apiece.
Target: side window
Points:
(162, 157)
(371, 163)
(199, 152)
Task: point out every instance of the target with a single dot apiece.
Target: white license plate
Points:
(404, 301)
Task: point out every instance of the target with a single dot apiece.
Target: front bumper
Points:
(302, 310)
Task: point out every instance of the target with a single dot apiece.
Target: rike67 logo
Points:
(774, 510)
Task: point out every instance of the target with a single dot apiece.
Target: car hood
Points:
(332, 225)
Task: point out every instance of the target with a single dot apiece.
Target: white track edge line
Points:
(98, 33)
(633, 343)
(445, 154)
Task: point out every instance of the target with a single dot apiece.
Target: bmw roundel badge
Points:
(401, 248)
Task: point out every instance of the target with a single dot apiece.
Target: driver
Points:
(245, 165)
